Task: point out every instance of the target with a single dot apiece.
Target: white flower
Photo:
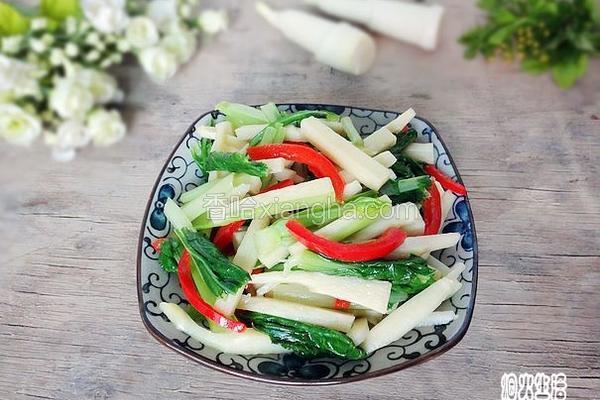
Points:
(92, 56)
(182, 43)
(72, 50)
(213, 21)
(92, 38)
(70, 135)
(105, 127)
(158, 62)
(18, 126)
(123, 46)
(163, 13)
(39, 24)
(103, 87)
(141, 32)
(12, 44)
(107, 16)
(18, 78)
(38, 45)
(71, 98)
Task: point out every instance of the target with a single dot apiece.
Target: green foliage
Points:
(306, 340)
(413, 190)
(408, 276)
(59, 9)
(220, 275)
(544, 35)
(223, 161)
(288, 119)
(12, 22)
(170, 252)
(403, 139)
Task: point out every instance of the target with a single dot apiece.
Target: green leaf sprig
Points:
(556, 36)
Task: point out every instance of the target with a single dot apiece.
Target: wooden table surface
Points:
(69, 320)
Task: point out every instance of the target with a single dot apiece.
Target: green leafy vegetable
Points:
(319, 215)
(403, 190)
(403, 139)
(405, 167)
(241, 114)
(223, 161)
(170, 252)
(544, 35)
(12, 22)
(306, 340)
(288, 120)
(408, 276)
(218, 273)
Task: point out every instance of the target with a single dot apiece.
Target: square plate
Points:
(180, 174)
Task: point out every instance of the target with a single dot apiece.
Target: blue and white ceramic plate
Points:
(154, 285)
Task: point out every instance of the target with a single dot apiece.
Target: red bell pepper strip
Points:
(156, 243)
(278, 185)
(191, 294)
(445, 181)
(341, 304)
(432, 211)
(364, 251)
(224, 235)
(316, 162)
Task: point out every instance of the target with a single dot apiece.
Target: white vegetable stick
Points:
(293, 134)
(299, 294)
(424, 244)
(207, 132)
(351, 189)
(298, 312)
(336, 126)
(359, 331)
(372, 294)
(368, 171)
(437, 318)
(213, 176)
(420, 152)
(401, 121)
(176, 216)
(438, 265)
(379, 141)
(455, 271)
(215, 195)
(249, 342)
(238, 237)
(323, 37)
(385, 158)
(291, 198)
(254, 182)
(405, 216)
(284, 174)
(448, 199)
(274, 164)
(222, 130)
(409, 314)
(347, 176)
(247, 132)
(417, 24)
(372, 316)
(226, 305)
(247, 255)
(190, 195)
